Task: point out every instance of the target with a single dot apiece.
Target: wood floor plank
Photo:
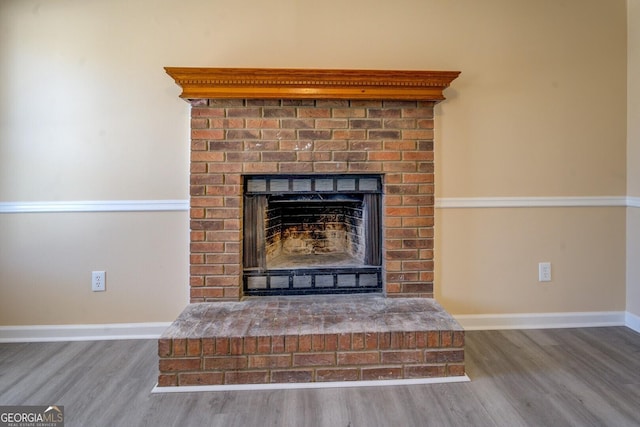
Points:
(560, 384)
(554, 377)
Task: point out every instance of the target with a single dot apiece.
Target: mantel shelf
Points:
(266, 83)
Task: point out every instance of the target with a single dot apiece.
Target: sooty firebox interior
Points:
(306, 234)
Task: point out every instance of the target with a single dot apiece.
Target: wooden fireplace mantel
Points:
(275, 83)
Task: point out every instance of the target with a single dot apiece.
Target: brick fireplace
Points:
(341, 141)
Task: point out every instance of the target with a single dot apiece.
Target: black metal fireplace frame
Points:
(343, 281)
(259, 280)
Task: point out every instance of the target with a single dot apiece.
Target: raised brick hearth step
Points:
(310, 338)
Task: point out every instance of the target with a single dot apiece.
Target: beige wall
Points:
(488, 259)
(633, 156)
(47, 261)
(87, 113)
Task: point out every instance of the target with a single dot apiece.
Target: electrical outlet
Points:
(98, 281)
(544, 272)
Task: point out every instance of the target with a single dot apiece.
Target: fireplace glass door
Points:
(306, 234)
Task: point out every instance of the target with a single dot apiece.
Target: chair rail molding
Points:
(633, 202)
(530, 202)
(440, 203)
(94, 206)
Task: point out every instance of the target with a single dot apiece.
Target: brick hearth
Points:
(306, 122)
(307, 339)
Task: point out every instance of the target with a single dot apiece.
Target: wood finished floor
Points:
(553, 377)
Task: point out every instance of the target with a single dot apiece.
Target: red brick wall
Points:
(230, 138)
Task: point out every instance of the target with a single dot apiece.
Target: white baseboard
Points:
(292, 386)
(632, 321)
(112, 331)
(471, 322)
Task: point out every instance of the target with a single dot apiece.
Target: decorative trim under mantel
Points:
(266, 83)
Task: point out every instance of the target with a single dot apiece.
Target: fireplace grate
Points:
(313, 281)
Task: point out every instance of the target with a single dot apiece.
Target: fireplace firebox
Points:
(312, 234)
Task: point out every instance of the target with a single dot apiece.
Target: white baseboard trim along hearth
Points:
(328, 384)
(470, 322)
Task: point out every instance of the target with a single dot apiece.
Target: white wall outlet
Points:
(98, 281)
(544, 272)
